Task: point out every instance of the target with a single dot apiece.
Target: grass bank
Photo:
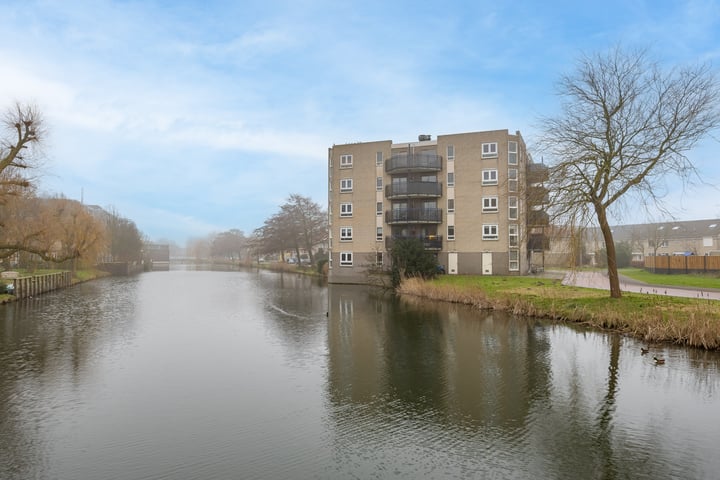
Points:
(694, 280)
(653, 318)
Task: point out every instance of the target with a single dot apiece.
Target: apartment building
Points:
(465, 195)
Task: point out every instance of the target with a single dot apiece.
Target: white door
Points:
(452, 263)
(487, 263)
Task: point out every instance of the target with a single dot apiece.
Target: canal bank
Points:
(30, 285)
(653, 316)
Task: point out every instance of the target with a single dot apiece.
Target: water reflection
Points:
(512, 397)
(43, 362)
(196, 374)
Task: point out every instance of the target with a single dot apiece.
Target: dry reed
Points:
(690, 322)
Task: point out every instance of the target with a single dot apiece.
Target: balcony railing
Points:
(414, 189)
(537, 173)
(414, 215)
(538, 217)
(430, 242)
(416, 161)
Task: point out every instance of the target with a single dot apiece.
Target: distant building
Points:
(693, 237)
(474, 199)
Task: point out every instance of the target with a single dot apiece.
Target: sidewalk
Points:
(600, 280)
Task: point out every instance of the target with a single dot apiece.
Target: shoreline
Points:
(692, 322)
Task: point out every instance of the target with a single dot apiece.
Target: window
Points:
(379, 208)
(345, 161)
(512, 153)
(378, 184)
(378, 234)
(490, 204)
(379, 259)
(513, 235)
(451, 153)
(451, 232)
(346, 209)
(489, 150)
(514, 264)
(490, 232)
(512, 179)
(345, 234)
(451, 205)
(489, 177)
(346, 259)
(346, 185)
(512, 208)
(451, 179)
(379, 158)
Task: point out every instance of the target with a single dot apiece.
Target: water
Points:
(217, 375)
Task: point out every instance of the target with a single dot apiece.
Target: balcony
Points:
(414, 162)
(414, 215)
(430, 242)
(537, 195)
(537, 173)
(538, 217)
(414, 189)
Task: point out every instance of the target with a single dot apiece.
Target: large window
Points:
(346, 209)
(346, 185)
(489, 150)
(345, 161)
(512, 179)
(512, 208)
(490, 204)
(490, 176)
(346, 259)
(345, 234)
(514, 235)
(451, 232)
(512, 153)
(490, 232)
(514, 264)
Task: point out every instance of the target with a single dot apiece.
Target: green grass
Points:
(695, 280)
(654, 318)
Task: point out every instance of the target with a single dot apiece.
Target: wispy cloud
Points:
(197, 116)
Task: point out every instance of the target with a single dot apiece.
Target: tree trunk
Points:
(610, 250)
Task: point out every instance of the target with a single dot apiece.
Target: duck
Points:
(659, 361)
(643, 350)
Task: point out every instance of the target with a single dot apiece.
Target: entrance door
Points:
(452, 263)
(487, 263)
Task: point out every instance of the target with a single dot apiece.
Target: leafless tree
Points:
(22, 134)
(624, 127)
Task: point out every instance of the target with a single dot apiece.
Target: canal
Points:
(252, 374)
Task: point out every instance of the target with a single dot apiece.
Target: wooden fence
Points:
(30, 286)
(683, 264)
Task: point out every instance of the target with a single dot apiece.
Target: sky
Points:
(195, 117)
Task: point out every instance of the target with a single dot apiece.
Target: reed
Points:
(686, 321)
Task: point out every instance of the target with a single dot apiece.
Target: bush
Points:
(410, 259)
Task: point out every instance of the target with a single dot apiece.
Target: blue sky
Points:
(194, 117)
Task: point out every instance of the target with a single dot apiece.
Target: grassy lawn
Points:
(695, 280)
(654, 318)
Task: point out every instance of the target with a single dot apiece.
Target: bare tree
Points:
(624, 126)
(23, 132)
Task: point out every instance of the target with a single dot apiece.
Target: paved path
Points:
(600, 280)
